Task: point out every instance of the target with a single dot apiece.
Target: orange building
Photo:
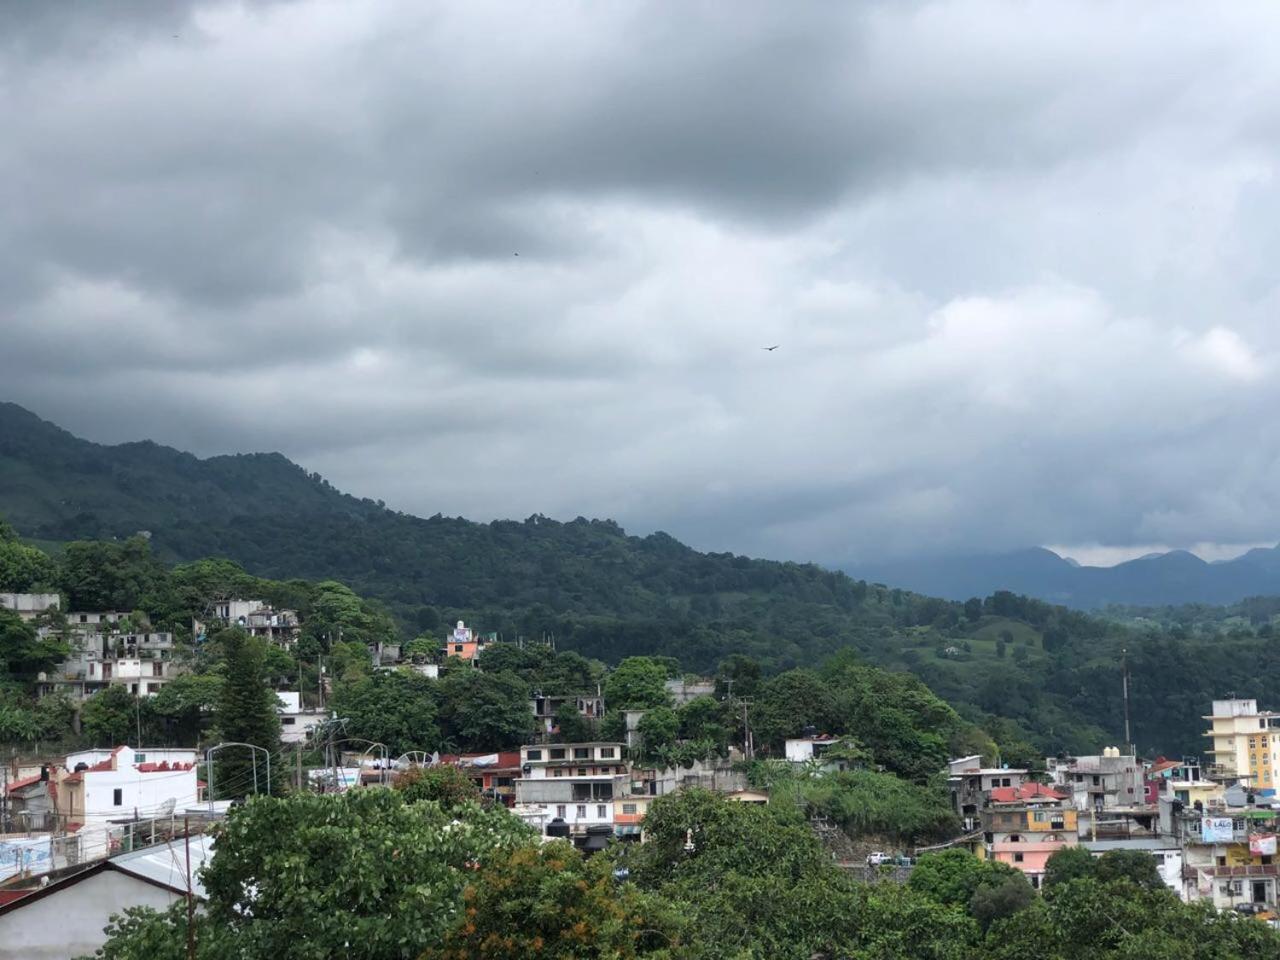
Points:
(464, 643)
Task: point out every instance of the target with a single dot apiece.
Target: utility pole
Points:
(1124, 679)
(191, 906)
(748, 746)
(298, 760)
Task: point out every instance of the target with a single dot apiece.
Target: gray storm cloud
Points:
(494, 260)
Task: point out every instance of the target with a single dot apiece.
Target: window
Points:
(288, 721)
(139, 758)
(582, 811)
(557, 753)
(606, 753)
(601, 812)
(504, 781)
(457, 648)
(629, 808)
(117, 797)
(557, 772)
(582, 753)
(534, 755)
(560, 811)
(1017, 858)
(84, 618)
(582, 771)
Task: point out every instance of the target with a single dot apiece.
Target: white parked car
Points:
(877, 859)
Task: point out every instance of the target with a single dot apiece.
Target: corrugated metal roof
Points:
(166, 863)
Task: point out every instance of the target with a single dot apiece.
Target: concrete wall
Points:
(69, 923)
(144, 792)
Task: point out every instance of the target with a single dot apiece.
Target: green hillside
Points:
(1053, 673)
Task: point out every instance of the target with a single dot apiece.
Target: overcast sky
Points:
(493, 259)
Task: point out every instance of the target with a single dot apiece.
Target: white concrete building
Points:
(28, 606)
(122, 786)
(67, 918)
(683, 690)
(1108, 780)
(141, 662)
(573, 782)
(296, 721)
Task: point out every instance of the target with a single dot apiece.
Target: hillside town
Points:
(107, 815)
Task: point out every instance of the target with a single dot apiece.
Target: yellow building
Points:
(1246, 743)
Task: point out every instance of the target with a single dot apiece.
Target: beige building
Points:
(1246, 743)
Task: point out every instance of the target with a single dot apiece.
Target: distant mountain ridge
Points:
(1154, 580)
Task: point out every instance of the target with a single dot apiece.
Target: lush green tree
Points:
(423, 646)
(865, 802)
(22, 568)
(18, 722)
(996, 901)
(658, 729)
(349, 660)
(483, 711)
(726, 836)
(247, 713)
(338, 615)
(445, 784)
(1136, 866)
(952, 877)
(109, 575)
(573, 727)
(394, 707)
(358, 875)
(637, 683)
(738, 676)
(141, 933)
(1067, 864)
(790, 702)
(184, 702)
(705, 718)
(54, 716)
(112, 718)
(549, 903)
(23, 653)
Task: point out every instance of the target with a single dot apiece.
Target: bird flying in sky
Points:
(771, 349)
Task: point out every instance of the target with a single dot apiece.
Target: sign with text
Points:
(1215, 829)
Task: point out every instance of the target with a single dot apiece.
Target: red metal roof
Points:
(1028, 791)
(24, 782)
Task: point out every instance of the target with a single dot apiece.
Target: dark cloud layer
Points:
(489, 259)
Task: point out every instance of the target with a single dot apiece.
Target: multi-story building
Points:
(101, 786)
(1229, 855)
(256, 617)
(141, 662)
(296, 720)
(1142, 827)
(494, 774)
(573, 782)
(1246, 744)
(1027, 825)
(546, 706)
(1097, 782)
(970, 784)
(28, 606)
(464, 643)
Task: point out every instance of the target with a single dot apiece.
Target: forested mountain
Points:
(1177, 577)
(1053, 675)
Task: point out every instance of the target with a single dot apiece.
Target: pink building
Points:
(1028, 824)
